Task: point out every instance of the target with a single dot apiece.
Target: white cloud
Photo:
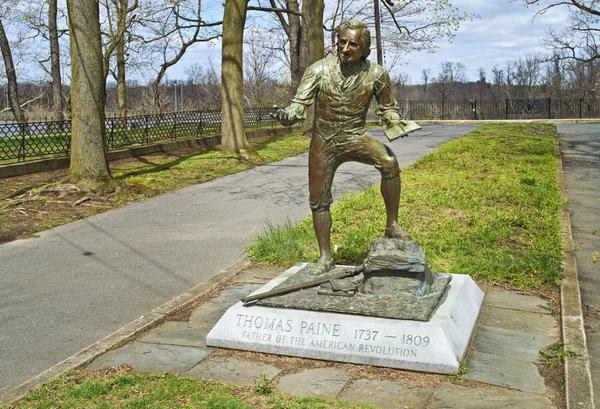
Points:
(506, 31)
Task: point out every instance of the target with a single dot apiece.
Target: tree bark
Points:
(89, 165)
(57, 98)
(313, 25)
(11, 76)
(233, 137)
(298, 46)
(122, 11)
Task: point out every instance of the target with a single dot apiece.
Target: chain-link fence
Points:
(35, 140)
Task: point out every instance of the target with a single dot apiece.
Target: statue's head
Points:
(353, 41)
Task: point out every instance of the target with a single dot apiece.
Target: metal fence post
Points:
(506, 115)
(174, 131)
(22, 147)
(111, 138)
(549, 108)
(580, 108)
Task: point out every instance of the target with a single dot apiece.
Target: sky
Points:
(505, 31)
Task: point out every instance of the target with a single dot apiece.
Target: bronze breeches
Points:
(326, 156)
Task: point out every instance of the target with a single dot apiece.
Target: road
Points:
(78, 283)
(580, 148)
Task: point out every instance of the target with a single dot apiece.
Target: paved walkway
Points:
(580, 148)
(78, 283)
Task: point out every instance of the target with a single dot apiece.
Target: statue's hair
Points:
(365, 36)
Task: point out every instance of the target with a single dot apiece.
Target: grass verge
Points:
(115, 389)
(486, 205)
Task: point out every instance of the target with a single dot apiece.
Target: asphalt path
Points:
(580, 148)
(75, 284)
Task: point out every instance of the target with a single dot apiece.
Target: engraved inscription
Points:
(416, 340)
(319, 328)
(365, 334)
(259, 322)
(318, 335)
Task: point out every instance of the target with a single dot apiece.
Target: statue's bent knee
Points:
(390, 168)
(320, 209)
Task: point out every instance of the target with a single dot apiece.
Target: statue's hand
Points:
(283, 116)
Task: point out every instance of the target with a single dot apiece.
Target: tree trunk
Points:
(313, 21)
(11, 76)
(57, 98)
(233, 137)
(122, 10)
(313, 25)
(89, 166)
(298, 46)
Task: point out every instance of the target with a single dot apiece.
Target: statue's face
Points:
(349, 45)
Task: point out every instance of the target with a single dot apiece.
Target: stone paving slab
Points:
(385, 394)
(152, 358)
(211, 311)
(231, 370)
(507, 299)
(178, 333)
(258, 275)
(321, 383)
(449, 396)
(506, 371)
(524, 321)
(510, 344)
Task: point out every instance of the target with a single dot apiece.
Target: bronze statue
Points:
(342, 88)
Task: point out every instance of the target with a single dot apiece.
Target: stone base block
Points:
(433, 346)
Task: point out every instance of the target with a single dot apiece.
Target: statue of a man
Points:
(342, 88)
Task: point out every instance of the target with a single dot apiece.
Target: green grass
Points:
(81, 390)
(486, 205)
(555, 354)
(166, 174)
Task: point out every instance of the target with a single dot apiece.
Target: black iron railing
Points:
(34, 140)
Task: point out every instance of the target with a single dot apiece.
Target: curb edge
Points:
(579, 391)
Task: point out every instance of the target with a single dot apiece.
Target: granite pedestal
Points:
(432, 346)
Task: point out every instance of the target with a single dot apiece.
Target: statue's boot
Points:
(396, 231)
(323, 266)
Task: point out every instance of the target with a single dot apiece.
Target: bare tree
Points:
(89, 166)
(554, 77)
(204, 83)
(11, 74)
(258, 62)
(527, 76)
(302, 23)
(446, 82)
(425, 75)
(290, 18)
(579, 41)
(482, 83)
(55, 73)
(172, 29)
(120, 19)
